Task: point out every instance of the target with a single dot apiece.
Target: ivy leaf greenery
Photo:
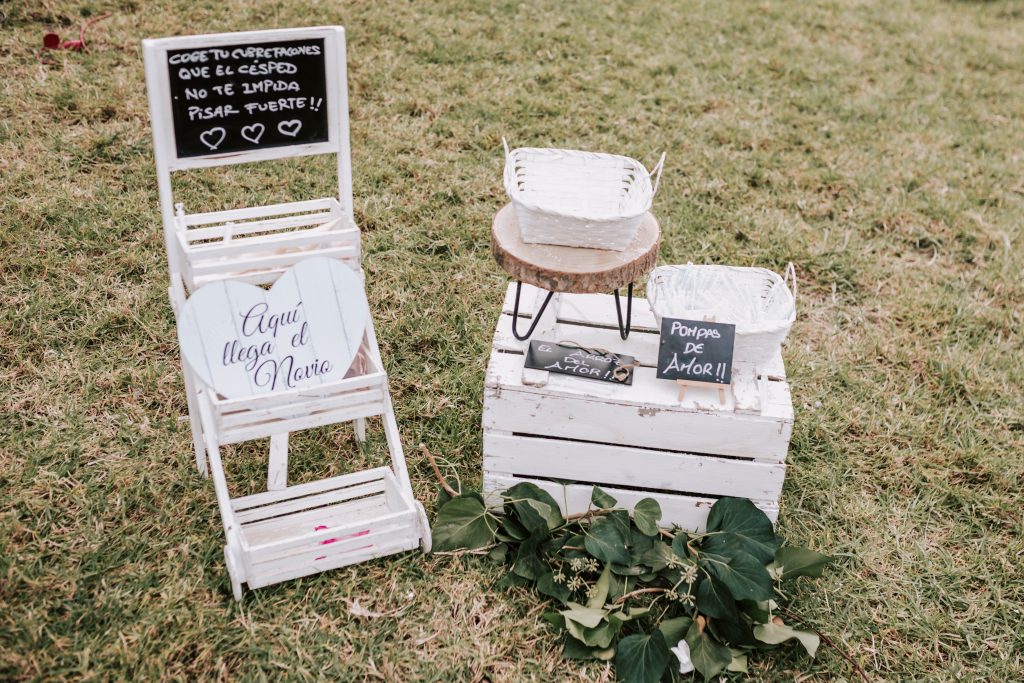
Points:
(606, 542)
(708, 655)
(714, 599)
(464, 522)
(745, 577)
(773, 634)
(623, 589)
(736, 525)
(601, 500)
(793, 562)
(646, 516)
(642, 658)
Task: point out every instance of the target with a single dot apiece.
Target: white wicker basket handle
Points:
(657, 169)
(790, 275)
(504, 143)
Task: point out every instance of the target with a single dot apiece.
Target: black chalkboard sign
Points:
(696, 351)
(240, 98)
(578, 362)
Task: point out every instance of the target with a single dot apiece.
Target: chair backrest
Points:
(232, 98)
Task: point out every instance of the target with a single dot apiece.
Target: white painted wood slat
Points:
(362, 501)
(203, 268)
(300, 408)
(632, 467)
(688, 512)
(298, 423)
(225, 406)
(307, 239)
(256, 500)
(325, 204)
(309, 567)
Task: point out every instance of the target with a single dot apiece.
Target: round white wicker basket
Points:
(760, 302)
(578, 199)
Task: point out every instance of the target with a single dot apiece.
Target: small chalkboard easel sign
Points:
(696, 353)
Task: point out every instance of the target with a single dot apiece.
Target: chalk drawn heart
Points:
(289, 128)
(305, 331)
(213, 137)
(253, 133)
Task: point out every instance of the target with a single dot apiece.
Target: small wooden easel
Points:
(683, 383)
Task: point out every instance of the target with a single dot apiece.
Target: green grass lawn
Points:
(878, 145)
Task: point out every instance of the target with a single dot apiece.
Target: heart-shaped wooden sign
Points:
(304, 331)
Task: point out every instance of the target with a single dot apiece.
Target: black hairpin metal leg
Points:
(536, 316)
(624, 331)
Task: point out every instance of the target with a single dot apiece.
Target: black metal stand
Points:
(536, 316)
(623, 330)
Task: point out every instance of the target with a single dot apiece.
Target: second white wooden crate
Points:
(633, 441)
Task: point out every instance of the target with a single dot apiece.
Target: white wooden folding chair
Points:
(253, 244)
(288, 531)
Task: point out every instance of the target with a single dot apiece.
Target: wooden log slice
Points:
(573, 269)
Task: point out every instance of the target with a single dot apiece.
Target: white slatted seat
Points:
(288, 531)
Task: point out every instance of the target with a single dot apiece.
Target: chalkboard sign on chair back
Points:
(234, 98)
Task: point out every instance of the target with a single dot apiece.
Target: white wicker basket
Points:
(578, 199)
(758, 301)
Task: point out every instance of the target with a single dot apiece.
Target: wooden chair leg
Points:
(236, 584)
(360, 427)
(196, 423)
(277, 467)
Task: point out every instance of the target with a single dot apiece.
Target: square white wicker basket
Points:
(760, 302)
(578, 199)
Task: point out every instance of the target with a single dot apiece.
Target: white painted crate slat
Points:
(634, 467)
(313, 237)
(646, 413)
(688, 512)
(241, 419)
(395, 542)
(325, 204)
(297, 424)
(315, 501)
(635, 441)
(254, 505)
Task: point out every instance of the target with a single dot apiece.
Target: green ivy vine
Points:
(624, 589)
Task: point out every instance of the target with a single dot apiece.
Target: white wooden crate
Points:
(257, 245)
(310, 528)
(634, 441)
